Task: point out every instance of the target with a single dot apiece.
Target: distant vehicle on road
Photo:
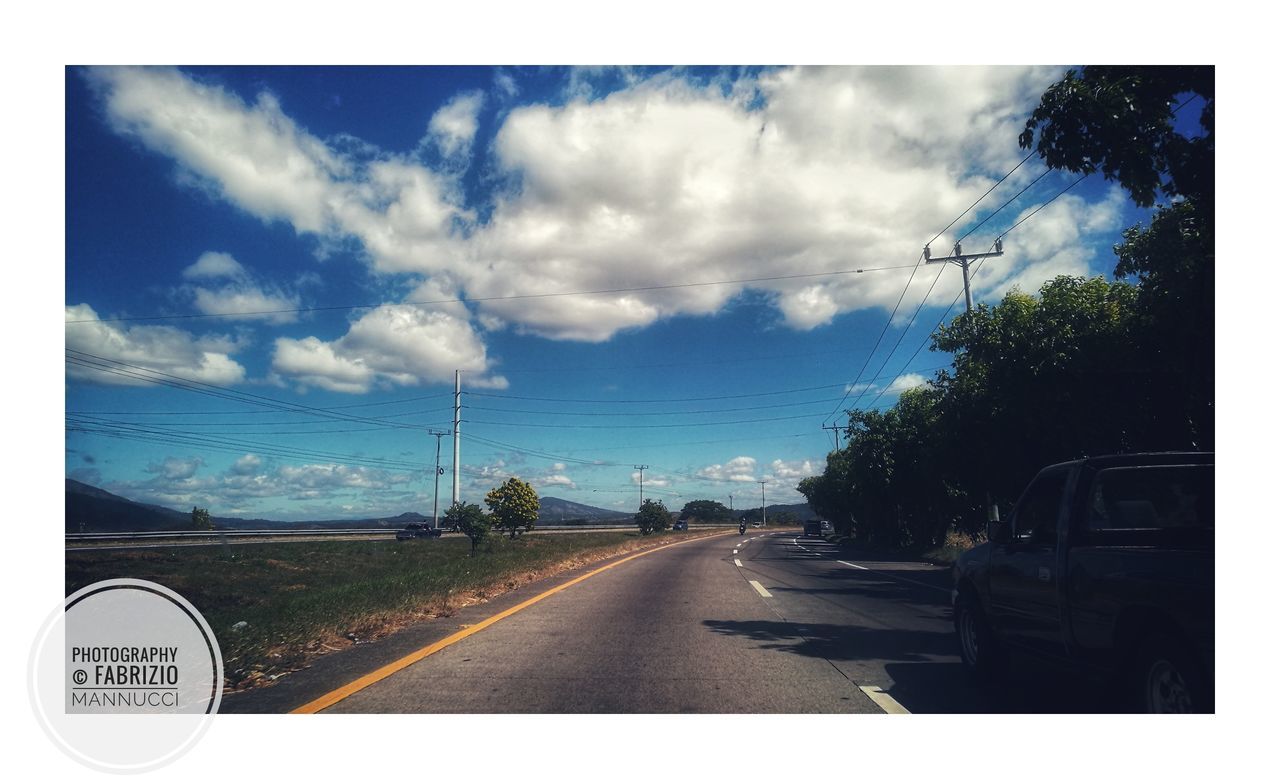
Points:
(1106, 566)
(680, 524)
(813, 527)
(417, 530)
(755, 524)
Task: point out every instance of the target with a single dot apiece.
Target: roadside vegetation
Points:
(272, 606)
(1087, 366)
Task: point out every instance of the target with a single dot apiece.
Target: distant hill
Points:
(556, 511)
(94, 510)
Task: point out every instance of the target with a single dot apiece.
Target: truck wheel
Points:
(1166, 680)
(980, 651)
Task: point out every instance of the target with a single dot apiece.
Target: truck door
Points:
(1024, 568)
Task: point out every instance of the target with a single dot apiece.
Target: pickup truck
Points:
(417, 530)
(1106, 566)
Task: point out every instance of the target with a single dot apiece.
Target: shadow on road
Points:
(926, 679)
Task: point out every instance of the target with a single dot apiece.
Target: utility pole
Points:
(763, 521)
(963, 261)
(435, 505)
(457, 429)
(641, 469)
(835, 436)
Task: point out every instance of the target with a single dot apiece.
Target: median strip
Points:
(369, 679)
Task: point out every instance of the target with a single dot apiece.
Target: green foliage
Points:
(470, 521)
(1120, 121)
(706, 511)
(652, 517)
(514, 506)
(1088, 366)
(200, 519)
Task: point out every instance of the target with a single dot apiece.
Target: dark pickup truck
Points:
(417, 530)
(1105, 565)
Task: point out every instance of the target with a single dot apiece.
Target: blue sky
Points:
(312, 252)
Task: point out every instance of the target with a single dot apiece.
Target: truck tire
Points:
(980, 650)
(1165, 679)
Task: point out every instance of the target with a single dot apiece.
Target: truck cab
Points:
(1107, 565)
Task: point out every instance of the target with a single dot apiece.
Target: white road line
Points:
(760, 589)
(899, 578)
(737, 562)
(884, 700)
(735, 551)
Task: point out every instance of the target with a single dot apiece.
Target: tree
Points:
(470, 521)
(1124, 122)
(200, 519)
(652, 517)
(514, 506)
(1121, 121)
(706, 511)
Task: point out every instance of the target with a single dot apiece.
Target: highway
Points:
(767, 623)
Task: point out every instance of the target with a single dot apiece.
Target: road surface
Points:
(767, 623)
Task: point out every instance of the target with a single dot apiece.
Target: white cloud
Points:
(214, 265)
(906, 382)
(236, 294)
(392, 345)
(155, 347)
(661, 182)
(740, 469)
(453, 127)
(176, 468)
(792, 471)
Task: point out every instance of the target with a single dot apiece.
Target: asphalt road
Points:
(766, 623)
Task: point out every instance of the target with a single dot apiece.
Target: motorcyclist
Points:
(742, 526)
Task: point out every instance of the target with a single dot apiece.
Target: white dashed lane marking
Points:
(760, 589)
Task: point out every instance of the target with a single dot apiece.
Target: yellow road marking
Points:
(373, 677)
(884, 700)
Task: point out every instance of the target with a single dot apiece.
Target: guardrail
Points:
(207, 535)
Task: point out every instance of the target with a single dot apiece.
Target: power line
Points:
(975, 273)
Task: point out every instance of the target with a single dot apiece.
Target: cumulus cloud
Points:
(390, 345)
(665, 180)
(176, 468)
(741, 469)
(156, 347)
(453, 127)
(226, 288)
(248, 481)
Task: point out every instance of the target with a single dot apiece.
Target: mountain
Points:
(93, 510)
(556, 511)
(89, 509)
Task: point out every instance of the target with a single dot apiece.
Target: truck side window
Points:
(1036, 517)
(1152, 497)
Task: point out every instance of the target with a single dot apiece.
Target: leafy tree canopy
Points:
(1120, 121)
(706, 511)
(514, 506)
(200, 519)
(652, 517)
(470, 521)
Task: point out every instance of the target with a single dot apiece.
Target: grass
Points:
(301, 599)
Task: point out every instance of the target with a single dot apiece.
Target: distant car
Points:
(755, 524)
(814, 527)
(416, 530)
(680, 524)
